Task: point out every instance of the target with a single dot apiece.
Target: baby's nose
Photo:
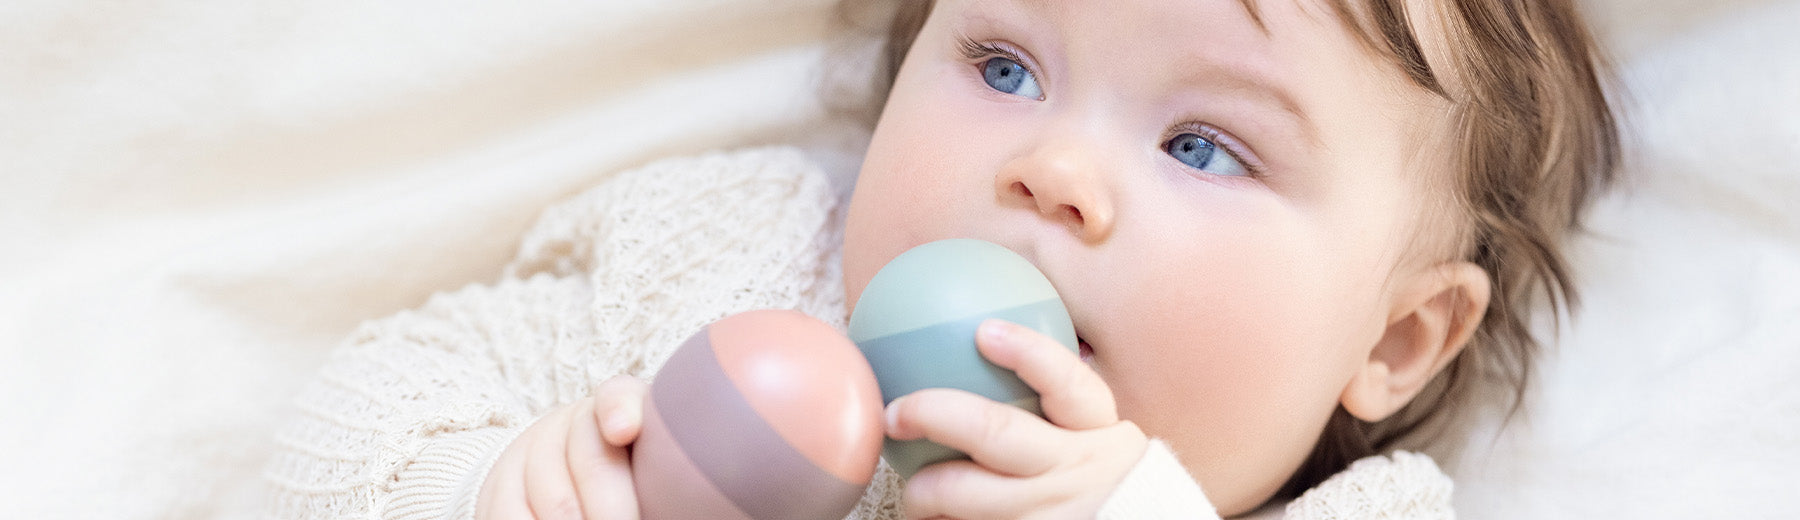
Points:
(1063, 188)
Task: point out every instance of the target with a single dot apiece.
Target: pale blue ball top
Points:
(943, 281)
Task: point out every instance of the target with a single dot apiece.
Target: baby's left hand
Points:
(1024, 466)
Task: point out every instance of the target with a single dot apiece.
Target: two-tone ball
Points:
(916, 321)
(762, 415)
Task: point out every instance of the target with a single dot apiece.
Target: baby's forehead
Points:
(1343, 60)
(1406, 35)
(1403, 39)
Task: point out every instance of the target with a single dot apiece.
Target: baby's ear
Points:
(1433, 316)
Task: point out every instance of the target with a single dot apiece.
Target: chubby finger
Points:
(601, 472)
(964, 490)
(1002, 437)
(502, 495)
(549, 489)
(1072, 394)
(619, 405)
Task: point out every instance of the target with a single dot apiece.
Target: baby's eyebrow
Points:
(1246, 81)
(1255, 14)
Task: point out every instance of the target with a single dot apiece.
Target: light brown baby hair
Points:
(1535, 143)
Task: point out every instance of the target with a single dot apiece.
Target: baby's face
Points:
(1220, 205)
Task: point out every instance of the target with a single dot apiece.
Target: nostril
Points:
(1073, 214)
(1021, 189)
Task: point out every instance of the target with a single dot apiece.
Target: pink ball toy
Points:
(762, 415)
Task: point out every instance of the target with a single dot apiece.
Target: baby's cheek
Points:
(1236, 362)
(1241, 415)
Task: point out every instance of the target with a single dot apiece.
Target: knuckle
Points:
(996, 424)
(938, 487)
(922, 408)
(1069, 379)
(581, 420)
(1089, 398)
(586, 458)
(947, 483)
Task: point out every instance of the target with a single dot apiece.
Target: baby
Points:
(1291, 235)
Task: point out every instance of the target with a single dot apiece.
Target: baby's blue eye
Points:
(1203, 154)
(1009, 76)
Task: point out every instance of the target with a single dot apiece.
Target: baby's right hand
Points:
(573, 463)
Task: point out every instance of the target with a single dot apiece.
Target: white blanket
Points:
(1673, 392)
(201, 197)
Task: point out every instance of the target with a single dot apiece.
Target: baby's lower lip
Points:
(1087, 351)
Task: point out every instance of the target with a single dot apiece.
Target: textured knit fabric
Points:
(408, 416)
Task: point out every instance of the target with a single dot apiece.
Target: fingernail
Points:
(892, 416)
(614, 423)
(995, 331)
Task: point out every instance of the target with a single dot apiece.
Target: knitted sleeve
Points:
(1402, 485)
(406, 418)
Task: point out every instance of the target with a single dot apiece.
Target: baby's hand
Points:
(573, 463)
(1024, 467)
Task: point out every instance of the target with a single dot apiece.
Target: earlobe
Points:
(1366, 395)
(1432, 319)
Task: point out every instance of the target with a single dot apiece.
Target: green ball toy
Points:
(916, 322)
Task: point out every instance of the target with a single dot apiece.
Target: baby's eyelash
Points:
(1225, 142)
(974, 50)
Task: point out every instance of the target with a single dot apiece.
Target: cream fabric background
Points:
(201, 197)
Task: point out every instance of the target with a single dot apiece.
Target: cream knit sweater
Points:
(406, 418)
